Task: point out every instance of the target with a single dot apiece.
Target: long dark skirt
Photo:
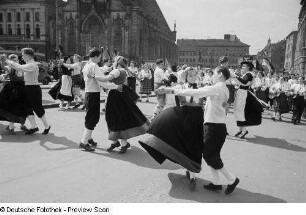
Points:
(262, 95)
(252, 112)
(177, 134)
(123, 117)
(14, 106)
(131, 83)
(281, 104)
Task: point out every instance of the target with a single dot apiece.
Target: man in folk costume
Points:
(214, 129)
(247, 109)
(298, 92)
(279, 92)
(92, 97)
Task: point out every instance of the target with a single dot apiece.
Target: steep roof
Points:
(153, 11)
(211, 42)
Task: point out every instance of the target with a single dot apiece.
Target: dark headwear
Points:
(249, 64)
(95, 52)
(223, 59)
(159, 61)
(122, 61)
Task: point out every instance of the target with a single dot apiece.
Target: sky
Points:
(253, 21)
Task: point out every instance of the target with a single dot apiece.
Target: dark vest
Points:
(121, 79)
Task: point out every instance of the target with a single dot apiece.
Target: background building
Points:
(300, 51)
(207, 52)
(290, 51)
(25, 24)
(136, 28)
(275, 53)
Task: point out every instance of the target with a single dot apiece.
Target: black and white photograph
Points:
(113, 102)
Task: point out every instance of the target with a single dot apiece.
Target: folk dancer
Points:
(14, 107)
(123, 117)
(92, 98)
(76, 77)
(184, 144)
(32, 89)
(214, 131)
(247, 109)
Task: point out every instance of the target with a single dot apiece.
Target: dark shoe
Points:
(104, 110)
(23, 128)
(113, 146)
(230, 188)
(245, 133)
(187, 174)
(86, 147)
(213, 187)
(92, 143)
(273, 118)
(280, 119)
(240, 132)
(32, 130)
(76, 106)
(10, 131)
(147, 100)
(46, 131)
(192, 184)
(83, 108)
(123, 149)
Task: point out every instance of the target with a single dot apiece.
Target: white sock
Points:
(86, 136)
(32, 121)
(11, 125)
(45, 122)
(192, 175)
(243, 129)
(123, 142)
(216, 176)
(228, 175)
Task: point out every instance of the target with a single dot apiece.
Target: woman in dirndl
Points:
(259, 87)
(280, 91)
(176, 133)
(145, 77)
(123, 117)
(76, 77)
(65, 92)
(14, 106)
(247, 108)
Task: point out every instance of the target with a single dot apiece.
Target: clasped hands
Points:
(164, 90)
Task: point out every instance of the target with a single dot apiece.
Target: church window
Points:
(28, 31)
(1, 30)
(9, 30)
(18, 30)
(37, 32)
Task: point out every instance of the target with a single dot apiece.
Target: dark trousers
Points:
(34, 97)
(214, 138)
(92, 104)
(298, 108)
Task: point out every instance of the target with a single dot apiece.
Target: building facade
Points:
(137, 29)
(300, 51)
(207, 52)
(290, 51)
(24, 24)
(275, 53)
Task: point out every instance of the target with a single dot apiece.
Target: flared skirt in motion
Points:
(124, 119)
(176, 134)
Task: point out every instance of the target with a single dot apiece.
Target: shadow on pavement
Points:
(138, 157)
(276, 142)
(20, 137)
(180, 190)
